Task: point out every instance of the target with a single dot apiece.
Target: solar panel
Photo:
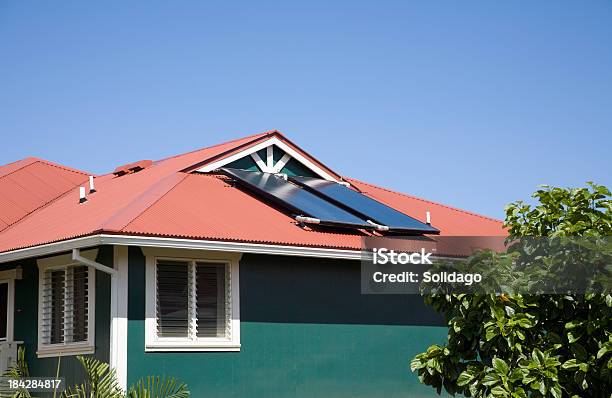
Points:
(296, 199)
(365, 206)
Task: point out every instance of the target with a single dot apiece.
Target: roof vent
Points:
(92, 188)
(131, 168)
(82, 197)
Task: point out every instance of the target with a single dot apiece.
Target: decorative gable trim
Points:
(268, 165)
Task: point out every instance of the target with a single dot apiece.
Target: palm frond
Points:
(158, 387)
(100, 381)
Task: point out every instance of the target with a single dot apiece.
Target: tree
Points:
(520, 345)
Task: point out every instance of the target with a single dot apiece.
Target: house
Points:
(186, 266)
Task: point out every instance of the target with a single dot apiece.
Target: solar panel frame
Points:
(296, 199)
(363, 205)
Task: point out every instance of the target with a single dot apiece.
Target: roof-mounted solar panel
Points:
(365, 206)
(308, 206)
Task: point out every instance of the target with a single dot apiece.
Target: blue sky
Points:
(472, 104)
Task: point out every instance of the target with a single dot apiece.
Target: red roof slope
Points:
(28, 184)
(204, 206)
(451, 221)
(163, 200)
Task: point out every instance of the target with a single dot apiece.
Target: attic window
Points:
(272, 159)
(272, 155)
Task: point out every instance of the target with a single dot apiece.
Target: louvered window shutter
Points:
(65, 305)
(173, 298)
(79, 299)
(212, 293)
(193, 300)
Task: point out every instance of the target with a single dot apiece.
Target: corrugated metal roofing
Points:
(29, 184)
(451, 221)
(204, 206)
(163, 200)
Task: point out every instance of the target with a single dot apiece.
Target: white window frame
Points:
(155, 343)
(71, 348)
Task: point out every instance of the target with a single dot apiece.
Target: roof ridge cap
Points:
(30, 160)
(67, 168)
(26, 162)
(269, 132)
(425, 200)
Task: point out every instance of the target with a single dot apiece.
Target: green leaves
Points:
(158, 387)
(464, 378)
(562, 212)
(571, 364)
(500, 366)
(101, 382)
(523, 346)
(572, 337)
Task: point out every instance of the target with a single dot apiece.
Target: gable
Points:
(273, 155)
(281, 163)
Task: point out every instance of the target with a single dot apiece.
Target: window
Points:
(192, 304)
(66, 310)
(4, 299)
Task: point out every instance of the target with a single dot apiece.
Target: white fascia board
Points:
(51, 248)
(299, 251)
(147, 241)
(264, 144)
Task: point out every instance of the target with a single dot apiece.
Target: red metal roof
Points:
(28, 184)
(164, 200)
(451, 221)
(132, 167)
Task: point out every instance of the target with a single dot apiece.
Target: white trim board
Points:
(268, 144)
(119, 314)
(146, 241)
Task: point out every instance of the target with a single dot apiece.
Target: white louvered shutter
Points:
(65, 305)
(193, 300)
(212, 300)
(77, 294)
(173, 316)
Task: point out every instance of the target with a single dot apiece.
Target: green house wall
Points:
(306, 331)
(26, 319)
